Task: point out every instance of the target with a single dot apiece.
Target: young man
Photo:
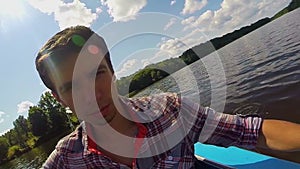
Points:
(150, 132)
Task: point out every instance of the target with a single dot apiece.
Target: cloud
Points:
(24, 106)
(176, 46)
(66, 14)
(170, 23)
(172, 2)
(98, 10)
(46, 6)
(121, 10)
(191, 6)
(235, 14)
(232, 15)
(74, 14)
(1, 117)
(172, 46)
(146, 62)
(128, 66)
(188, 21)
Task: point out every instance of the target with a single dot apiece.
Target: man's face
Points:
(85, 86)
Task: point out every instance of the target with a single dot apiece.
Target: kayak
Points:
(234, 157)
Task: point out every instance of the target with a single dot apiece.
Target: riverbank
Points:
(34, 158)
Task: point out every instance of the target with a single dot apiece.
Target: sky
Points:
(138, 33)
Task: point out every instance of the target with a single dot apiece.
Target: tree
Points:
(12, 137)
(22, 130)
(57, 116)
(4, 148)
(38, 120)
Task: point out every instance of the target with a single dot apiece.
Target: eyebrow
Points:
(69, 84)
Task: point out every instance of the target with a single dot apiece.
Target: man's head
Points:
(75, 65)
(63, 44)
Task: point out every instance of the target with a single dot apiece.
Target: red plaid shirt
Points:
(167, 112)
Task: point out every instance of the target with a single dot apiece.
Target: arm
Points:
(279, 135)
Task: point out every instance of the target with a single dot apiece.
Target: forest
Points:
(45, 120)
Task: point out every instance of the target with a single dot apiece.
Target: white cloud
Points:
(98, 10)
(191, 6)
(74, 13)
(146, 62)
(188, 21)
(128, 66)
(24, 106)
(172, 2)
(46, 6)
(173, 46)
(233, 15)
(170, 23)
(66, 14)
(121, 10)
(1, 117)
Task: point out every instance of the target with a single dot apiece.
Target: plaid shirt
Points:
(171, 115)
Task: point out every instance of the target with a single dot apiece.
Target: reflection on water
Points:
(33, 159)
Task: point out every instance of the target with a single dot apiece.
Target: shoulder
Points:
(157, 102)
(155, 98)
(148, 108)
(72, 142)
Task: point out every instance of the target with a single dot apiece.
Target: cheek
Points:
(104, 85)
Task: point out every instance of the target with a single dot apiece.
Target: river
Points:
(259, 72)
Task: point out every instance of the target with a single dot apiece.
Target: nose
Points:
(85, 92)
(88, 95)
(91, 94)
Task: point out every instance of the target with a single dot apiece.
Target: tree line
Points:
(45, 120)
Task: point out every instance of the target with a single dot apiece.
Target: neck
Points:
(119, 125)
(121, 122)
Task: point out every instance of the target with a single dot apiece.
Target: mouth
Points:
(104, 110)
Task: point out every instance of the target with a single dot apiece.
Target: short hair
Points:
(63, 44)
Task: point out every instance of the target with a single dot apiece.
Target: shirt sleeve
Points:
(54, 161)
(222, 129)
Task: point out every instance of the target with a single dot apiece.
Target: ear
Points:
(56, 96)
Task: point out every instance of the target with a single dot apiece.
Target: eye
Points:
(100, 72)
